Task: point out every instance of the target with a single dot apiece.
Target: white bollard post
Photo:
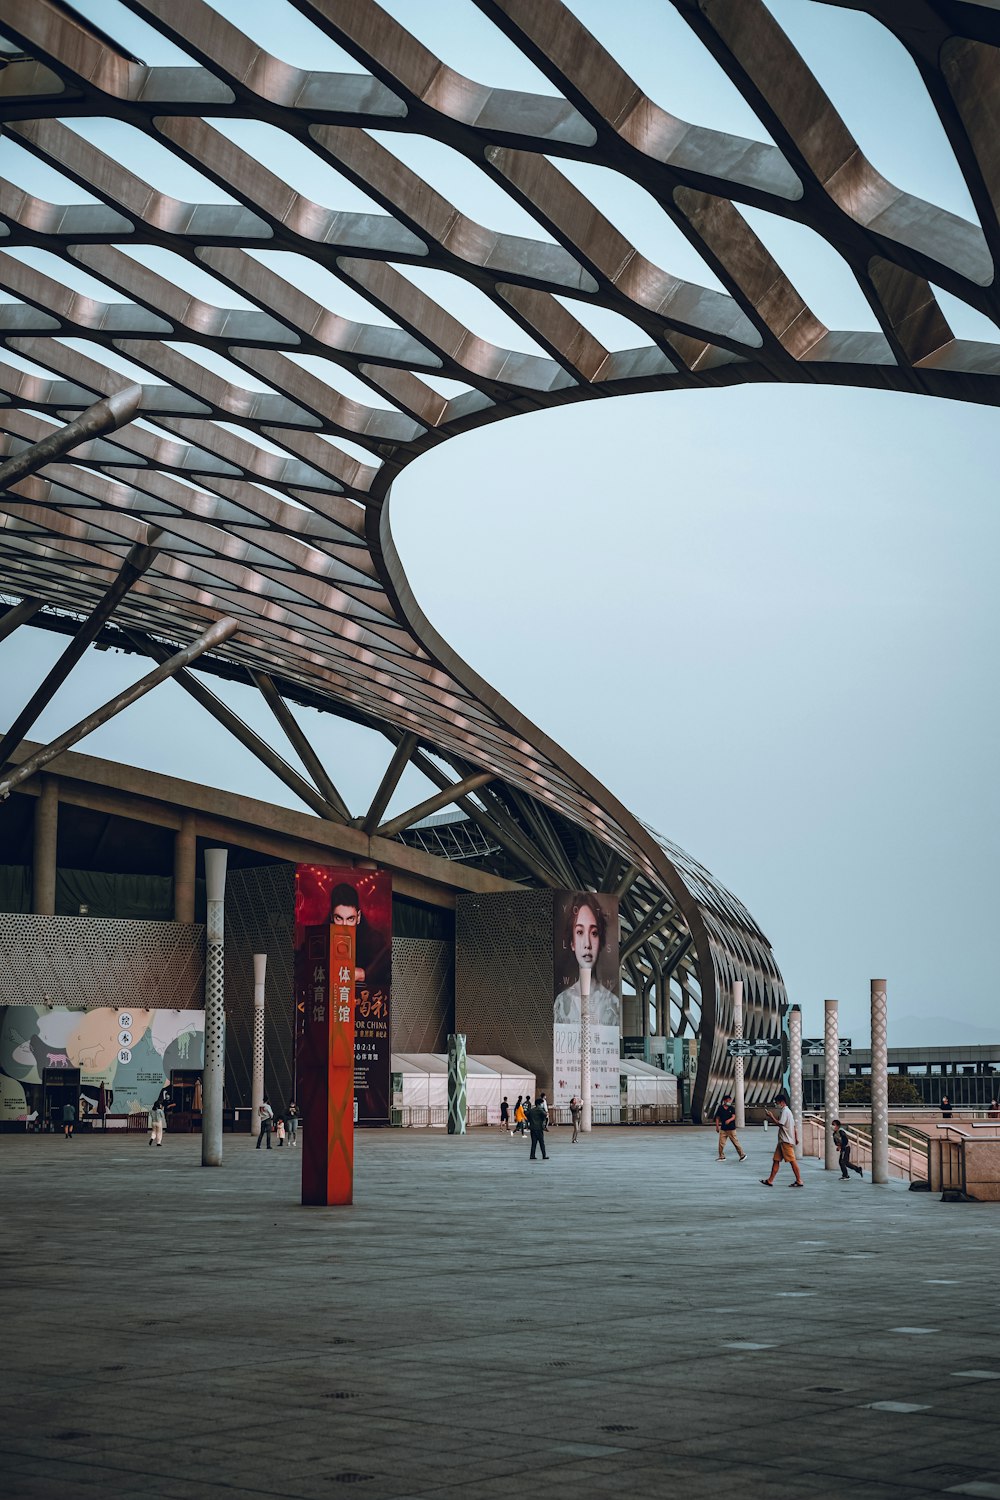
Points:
(585, 1105)
(739, 1097)
(880, 1084)
(795, 1064)
(257, 1080)
(214, 1075)
(831, 1085)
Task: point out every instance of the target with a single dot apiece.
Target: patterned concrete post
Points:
(586, 1116)
(257, 1078)
(795, 1064)
(213, 1077)
(739, 1095)
(458, 1068)
(831, 1085)
(880, 1084)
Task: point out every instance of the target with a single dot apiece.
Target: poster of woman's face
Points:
(585, 938)
(586, 935)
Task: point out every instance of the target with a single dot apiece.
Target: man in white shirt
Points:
(788, 1139)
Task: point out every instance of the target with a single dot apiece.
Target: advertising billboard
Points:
(129, 1053)
(331, 896)
(585, 936)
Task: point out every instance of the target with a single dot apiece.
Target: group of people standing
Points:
(285, 1127)
(533, 1117)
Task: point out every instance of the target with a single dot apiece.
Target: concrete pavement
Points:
(627, 1318)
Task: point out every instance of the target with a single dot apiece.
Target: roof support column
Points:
(43, 870)
(185, 845)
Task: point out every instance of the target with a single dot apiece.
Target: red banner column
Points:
(325, 984)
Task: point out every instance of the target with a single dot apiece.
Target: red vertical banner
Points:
(325, 1003)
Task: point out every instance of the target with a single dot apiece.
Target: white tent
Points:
(645, 1084)
(424, 1097)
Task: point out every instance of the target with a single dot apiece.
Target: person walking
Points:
(576, 1115)
(520, 1116)
(279, 1130)
(537, 1119)
(725, 1125)
(945, 1107)
(266, 1114)
(843, 1145)
(157, 1120)
(69, 1119)
(505, 1115)
(292, 1116)
(788, 1139)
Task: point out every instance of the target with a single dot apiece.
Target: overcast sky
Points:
(765, 618)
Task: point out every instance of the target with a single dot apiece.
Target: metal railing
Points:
(909, 1148)
(436, 1116)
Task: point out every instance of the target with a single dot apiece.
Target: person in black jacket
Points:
(843, 1145)
(537, 1118)
(725, 1124)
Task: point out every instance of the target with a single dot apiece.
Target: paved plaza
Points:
(628, 1318)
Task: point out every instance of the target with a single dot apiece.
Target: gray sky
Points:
(765, 618)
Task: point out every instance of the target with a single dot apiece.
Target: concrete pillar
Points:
(586, 1117)
(214, 1075)
(831, 1082)
(739, 1092)
(44, 856)
(458, 1110)
(795, 1064)
(257, 1076)
(185, 844)
(880, 1084)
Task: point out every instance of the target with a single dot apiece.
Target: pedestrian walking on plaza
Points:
(576, 1115)
(843, 1145)
(545, 1106)
(279, 1130)
(505, 1115)
(994, 1110)
(945, 1107)
(520, 1115)
(725, 1124)
(69, 1120)
(292, 1116)
(537, 1120)
(266, 1114)
(788, 1139)
(157, 1120)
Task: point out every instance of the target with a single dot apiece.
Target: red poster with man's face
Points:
(359, 901)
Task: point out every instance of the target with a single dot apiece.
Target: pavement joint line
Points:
(905, 1407)
(977, 1374)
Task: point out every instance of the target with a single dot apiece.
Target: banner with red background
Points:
(361, 899)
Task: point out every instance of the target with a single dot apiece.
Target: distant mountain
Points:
(939, 1031)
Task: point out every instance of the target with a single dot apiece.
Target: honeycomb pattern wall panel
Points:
(95, 961)
(260, 918)
(423, 994)
(504, 977)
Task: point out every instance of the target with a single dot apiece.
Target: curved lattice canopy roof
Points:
(246, 240)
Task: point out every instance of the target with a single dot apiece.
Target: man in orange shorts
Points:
(788, 1139)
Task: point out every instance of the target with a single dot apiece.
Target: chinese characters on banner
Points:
(585, 933)
(324, 974)
(359, 901)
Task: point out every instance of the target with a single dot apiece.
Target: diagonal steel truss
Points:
(269, 486)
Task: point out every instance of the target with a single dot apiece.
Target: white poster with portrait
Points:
(585, 936)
